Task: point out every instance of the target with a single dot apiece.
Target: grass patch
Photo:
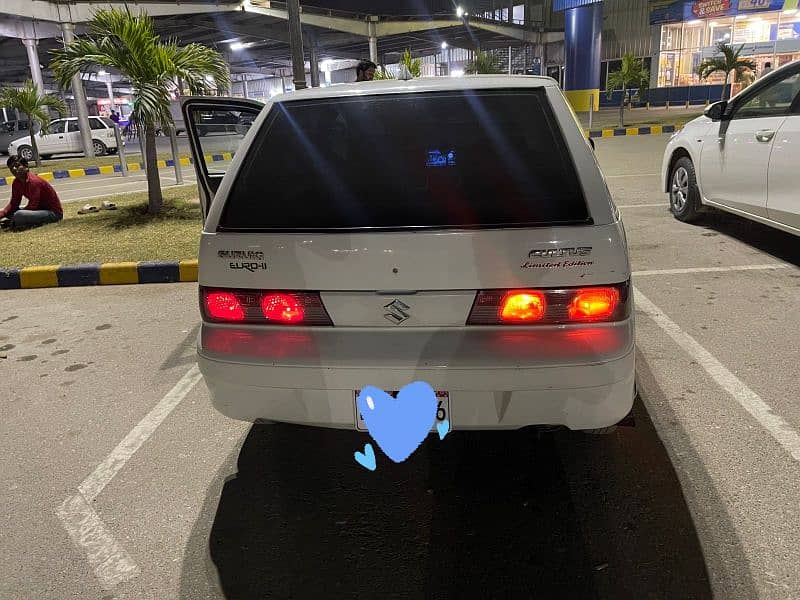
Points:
(125, 234)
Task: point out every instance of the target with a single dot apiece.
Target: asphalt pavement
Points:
(120, 481)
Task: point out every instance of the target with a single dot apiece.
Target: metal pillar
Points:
(176, 159)
(33, 61)
(80, 98)
(510, 71)
(245, 90)
(372, 30)
(296, 45)
(110, 89)
(314, 62)
(583, 28)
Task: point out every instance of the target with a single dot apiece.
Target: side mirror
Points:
(716, 111)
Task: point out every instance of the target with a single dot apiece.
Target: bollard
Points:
(173, 140)
(123, 163)
(591, 109)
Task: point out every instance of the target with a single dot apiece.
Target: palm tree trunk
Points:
(155, 200)
(725, 88)
(622, 108)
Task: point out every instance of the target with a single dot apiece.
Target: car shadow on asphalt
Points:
(779, 244)
(479, 514)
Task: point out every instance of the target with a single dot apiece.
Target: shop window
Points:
(671, 37)
(693, 34)
(761, 27)
(720, 31)
(789, 28)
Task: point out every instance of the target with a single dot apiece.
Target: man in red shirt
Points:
(43, 203)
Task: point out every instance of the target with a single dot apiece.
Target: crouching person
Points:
(43, 203)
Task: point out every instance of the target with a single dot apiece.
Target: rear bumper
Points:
(585, 396)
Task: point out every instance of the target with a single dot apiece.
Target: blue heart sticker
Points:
(367, 458)
(398, 426)
(443, 427)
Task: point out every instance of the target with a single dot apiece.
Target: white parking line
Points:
(711, 269)
(111, 562)
(779, 429)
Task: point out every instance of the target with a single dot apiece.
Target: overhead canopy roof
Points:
(339, 28)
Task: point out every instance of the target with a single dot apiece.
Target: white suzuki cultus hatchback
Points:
(456, 231)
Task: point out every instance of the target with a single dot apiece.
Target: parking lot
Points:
(120, 480)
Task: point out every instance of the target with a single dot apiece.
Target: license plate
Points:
(442, 409)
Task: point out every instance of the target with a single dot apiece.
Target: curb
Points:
(111, 169)
(617, 132)
(98, 274)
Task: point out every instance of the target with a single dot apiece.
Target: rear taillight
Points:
(263, 307)
(551, 306)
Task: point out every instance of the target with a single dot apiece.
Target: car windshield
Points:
(444, 159)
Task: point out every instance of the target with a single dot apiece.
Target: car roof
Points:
(419, 84)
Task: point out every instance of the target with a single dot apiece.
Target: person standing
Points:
(767, 69)
(43, 203)
(115, 116)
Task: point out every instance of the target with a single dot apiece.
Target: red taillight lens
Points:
(593, 304)
(284, 308)
(224, 306)
(523, 306)
(551, 306)
(263, 307)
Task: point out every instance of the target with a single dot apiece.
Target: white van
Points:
(456, 231)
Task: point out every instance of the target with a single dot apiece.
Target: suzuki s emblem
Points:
(397, 312)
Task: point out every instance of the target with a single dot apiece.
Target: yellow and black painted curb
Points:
(111, 169)
(98, 274)
(621, 131)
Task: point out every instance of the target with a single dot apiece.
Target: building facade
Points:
(768, 31)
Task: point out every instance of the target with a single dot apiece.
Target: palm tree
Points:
(727, 62)
(483, 63)
(632, 73)
(414, 66)
(129, 44)
(35, 105)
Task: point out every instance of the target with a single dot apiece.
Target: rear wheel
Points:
(684, 196)
(25, 152)
(99, 148)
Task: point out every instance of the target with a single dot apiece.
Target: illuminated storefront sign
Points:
(710, 8)
(666, 11)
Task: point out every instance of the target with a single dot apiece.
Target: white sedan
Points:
(741, 155)
(64, 137)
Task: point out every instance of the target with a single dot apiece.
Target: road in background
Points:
(698, 500)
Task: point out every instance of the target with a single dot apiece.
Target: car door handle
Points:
(765, 135)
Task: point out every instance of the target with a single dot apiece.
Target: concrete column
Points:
(296, 45)
(314, 62)
(80, 98)
(245, 91)
(583, 28)
(33, 61)
(372, 29)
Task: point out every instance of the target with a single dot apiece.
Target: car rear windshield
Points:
(439, 160)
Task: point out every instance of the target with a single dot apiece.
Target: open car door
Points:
(216, 127)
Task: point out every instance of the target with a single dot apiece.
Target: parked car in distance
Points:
(381, 233)
(64, 137)
(223, 122)
(10, 131)
(741, 155)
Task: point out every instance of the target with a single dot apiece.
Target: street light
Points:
(459, 12)
(236, 46)
(444, 45)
